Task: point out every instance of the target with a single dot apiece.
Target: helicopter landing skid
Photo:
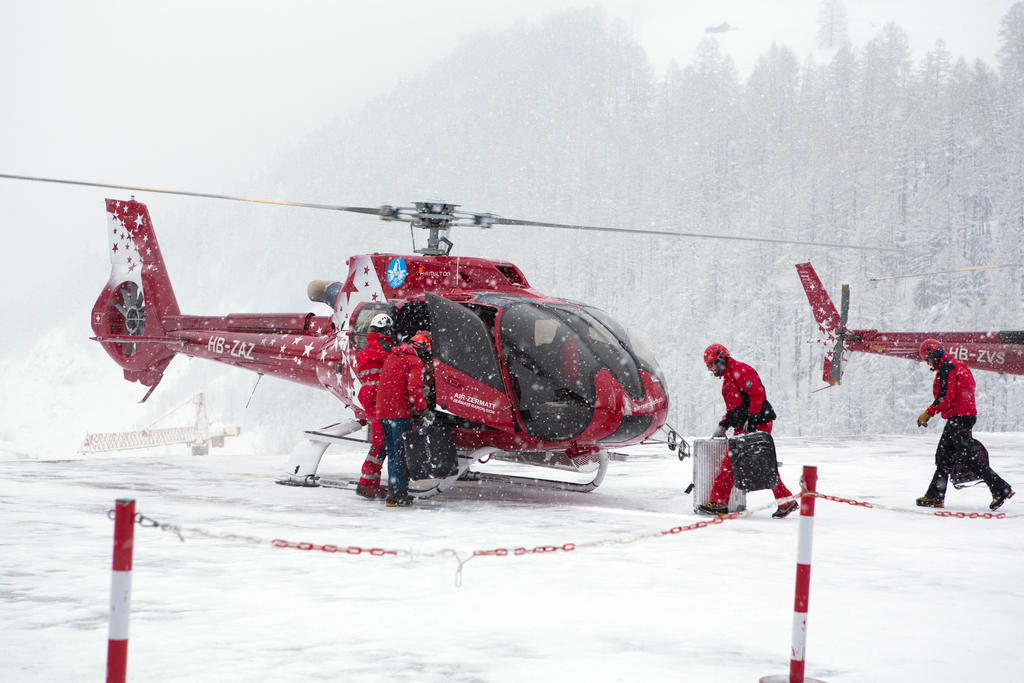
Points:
(547, 461)
(305, 459)
(426, 488)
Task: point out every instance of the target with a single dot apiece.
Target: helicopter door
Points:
(467, 378)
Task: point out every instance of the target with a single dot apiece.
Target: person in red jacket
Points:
(402, 391)
(953, 390)
(369, 362)
(747, 409)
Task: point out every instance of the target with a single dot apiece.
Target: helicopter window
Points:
(544, 331)
(461, 340)
(642, 354)
(513, 275)
(361, 323)
(610, 348)
(551, 368)
(486, 314)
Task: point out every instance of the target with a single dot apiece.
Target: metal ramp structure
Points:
(198, 436)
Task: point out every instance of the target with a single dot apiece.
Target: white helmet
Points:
(381, 321)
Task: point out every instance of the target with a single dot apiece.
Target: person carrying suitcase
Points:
(953, 389)
(747, 410)
(402, 390)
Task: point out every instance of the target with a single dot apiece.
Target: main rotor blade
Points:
(672, 233)
(206, 195)
(390, 213)
(966, 269)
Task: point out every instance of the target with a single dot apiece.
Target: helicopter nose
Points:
(623, 419)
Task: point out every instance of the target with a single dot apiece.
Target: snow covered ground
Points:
(896, 594)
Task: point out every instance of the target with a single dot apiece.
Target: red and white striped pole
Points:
(120, 590)
(808, 484)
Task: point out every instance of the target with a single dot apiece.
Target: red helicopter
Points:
(1001, 352)
(524, 377)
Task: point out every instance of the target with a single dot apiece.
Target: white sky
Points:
(200, 94)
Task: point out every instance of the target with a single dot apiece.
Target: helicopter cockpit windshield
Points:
(552, 353)
(645, 359)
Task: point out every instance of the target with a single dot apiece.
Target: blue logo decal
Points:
(397, 272)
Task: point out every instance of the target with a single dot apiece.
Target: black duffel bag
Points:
(430, 452)
(754, 466)
(962, 475)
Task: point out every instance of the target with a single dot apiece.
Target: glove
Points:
(922, 419)
(719, 432)
(428, 417)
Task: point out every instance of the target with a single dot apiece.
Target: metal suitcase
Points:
(707, 459)
(754, 467)
(430, 452)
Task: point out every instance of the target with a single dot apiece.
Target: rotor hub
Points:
(437, 218)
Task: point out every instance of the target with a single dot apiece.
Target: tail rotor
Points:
(835, 360)
(831, 322)
(132, 309)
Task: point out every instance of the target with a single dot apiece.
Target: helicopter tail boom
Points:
(128, 316)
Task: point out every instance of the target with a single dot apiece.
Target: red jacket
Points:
(953, 389)
(369, 362)
(401, 384)
(744, 395)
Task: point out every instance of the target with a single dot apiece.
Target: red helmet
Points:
(713, 353)
(421, 338)
(931, 350)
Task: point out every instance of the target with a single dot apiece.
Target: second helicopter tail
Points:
(830, 322)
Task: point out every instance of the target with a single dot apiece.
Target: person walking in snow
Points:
(953, 389)
(403, 389)
(747, 409)
(369, 362)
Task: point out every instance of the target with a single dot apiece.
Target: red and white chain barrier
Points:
(353, 550)
(920, 511)
(120, 590)
(125, 518)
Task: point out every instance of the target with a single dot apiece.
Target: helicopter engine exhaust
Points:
(324, 291)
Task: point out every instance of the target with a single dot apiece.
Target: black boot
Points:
(713, 509)
(398, 499)
(999, 498)
(784, 510)
(371, 492)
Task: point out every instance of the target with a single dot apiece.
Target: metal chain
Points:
(181, 532)
(348, 550)
(932, 513)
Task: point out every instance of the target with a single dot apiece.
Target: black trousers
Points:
(954, 444)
